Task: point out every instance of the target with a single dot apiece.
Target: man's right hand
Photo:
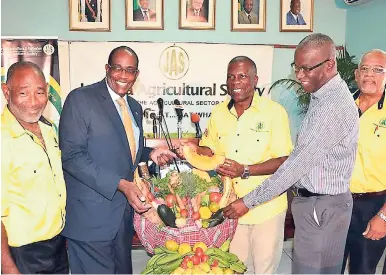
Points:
(134, 196)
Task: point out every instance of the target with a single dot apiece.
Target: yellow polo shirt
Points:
(369, 173)
(33, 192)
(259, 134)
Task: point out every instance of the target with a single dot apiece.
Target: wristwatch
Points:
(381, 215)
(246, 173)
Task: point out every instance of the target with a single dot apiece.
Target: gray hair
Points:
(318, 40)
(379, 51)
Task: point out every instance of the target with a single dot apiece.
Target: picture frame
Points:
(197, 14)
(90, 15)
(248, 15)
(296, 15)
(144, 14)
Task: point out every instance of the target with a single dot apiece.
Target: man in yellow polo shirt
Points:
(366, 240)
(33, 193)
(248, 130)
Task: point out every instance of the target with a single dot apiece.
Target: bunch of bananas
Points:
(225, 260)
(164, 261)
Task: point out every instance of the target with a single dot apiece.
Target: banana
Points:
(169, 268)
(168, 250)
(154, 259)
(169, 258)
(147, 270)
(158, 250)
(225, 246)
(228, 185)
(238, 268)
(232, 258)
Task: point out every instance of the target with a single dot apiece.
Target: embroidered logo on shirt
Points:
(206, 132)
(259, 127)
(382, 122)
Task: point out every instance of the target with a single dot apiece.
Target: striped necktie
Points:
(146, 18)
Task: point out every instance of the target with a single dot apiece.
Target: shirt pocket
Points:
(378, 141)
(223, 139)
(258, 141)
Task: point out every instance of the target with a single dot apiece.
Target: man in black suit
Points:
(144, 13)
(99, 170)
(197, 12)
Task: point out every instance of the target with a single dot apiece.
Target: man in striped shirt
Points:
(320, 166)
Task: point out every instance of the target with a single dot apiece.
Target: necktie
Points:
(128, 124)
(297, 20)
(196, 13)
(249, 18)
(146, 18)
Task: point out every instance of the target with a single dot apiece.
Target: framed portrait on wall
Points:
(197, 14)
(144, 14)
(89, 15)
(248, 15)
(296, 15)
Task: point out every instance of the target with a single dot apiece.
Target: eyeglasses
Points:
(307, 69)
(119, 69)
(374, 70)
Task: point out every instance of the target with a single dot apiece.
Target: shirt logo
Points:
(206, 132)
(259, 127)
(382, 122)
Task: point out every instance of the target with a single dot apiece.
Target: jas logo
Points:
(382, 122)
(259, 127)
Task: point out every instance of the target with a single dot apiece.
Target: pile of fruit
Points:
(173, 258)
(183, 196)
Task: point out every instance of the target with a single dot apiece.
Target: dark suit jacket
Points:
(291, 20)
(203, 15)
(96, 155)
(137, 15)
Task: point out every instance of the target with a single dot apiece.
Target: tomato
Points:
(215, 263)
(150, 197)
(186, 259)
(156, 189)
(184, 265)
(215, 197)
(204, 258)
(170, 200)
(196, 216)
(184, 213)
(199, 252)
(196, 260)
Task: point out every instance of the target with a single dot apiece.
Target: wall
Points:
(50, 18)
(366, 27)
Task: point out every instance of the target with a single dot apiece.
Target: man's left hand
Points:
(230, 168)
(376, 229)
(162, 156)
(236, 209)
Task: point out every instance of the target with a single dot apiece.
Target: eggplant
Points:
(167, 216)
(216, 218)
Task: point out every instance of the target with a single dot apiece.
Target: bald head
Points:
(23, 65)
(379, 54)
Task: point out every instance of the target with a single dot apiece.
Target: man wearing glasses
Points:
(101, 138)
(320, 166)
(366, 240)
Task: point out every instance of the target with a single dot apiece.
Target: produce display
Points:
(185, 229)
(172, 258)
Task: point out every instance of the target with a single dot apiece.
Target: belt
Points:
(368, 194)
(302, 192)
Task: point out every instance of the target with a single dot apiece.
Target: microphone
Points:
(160, 103)
(196, 120)
(179, 109)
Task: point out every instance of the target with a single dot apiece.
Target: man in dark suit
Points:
(197, 12)
(144, 13)
(98, 168)
(294, 17)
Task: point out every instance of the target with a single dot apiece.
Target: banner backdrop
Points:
(44, 53)
(193, 73)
